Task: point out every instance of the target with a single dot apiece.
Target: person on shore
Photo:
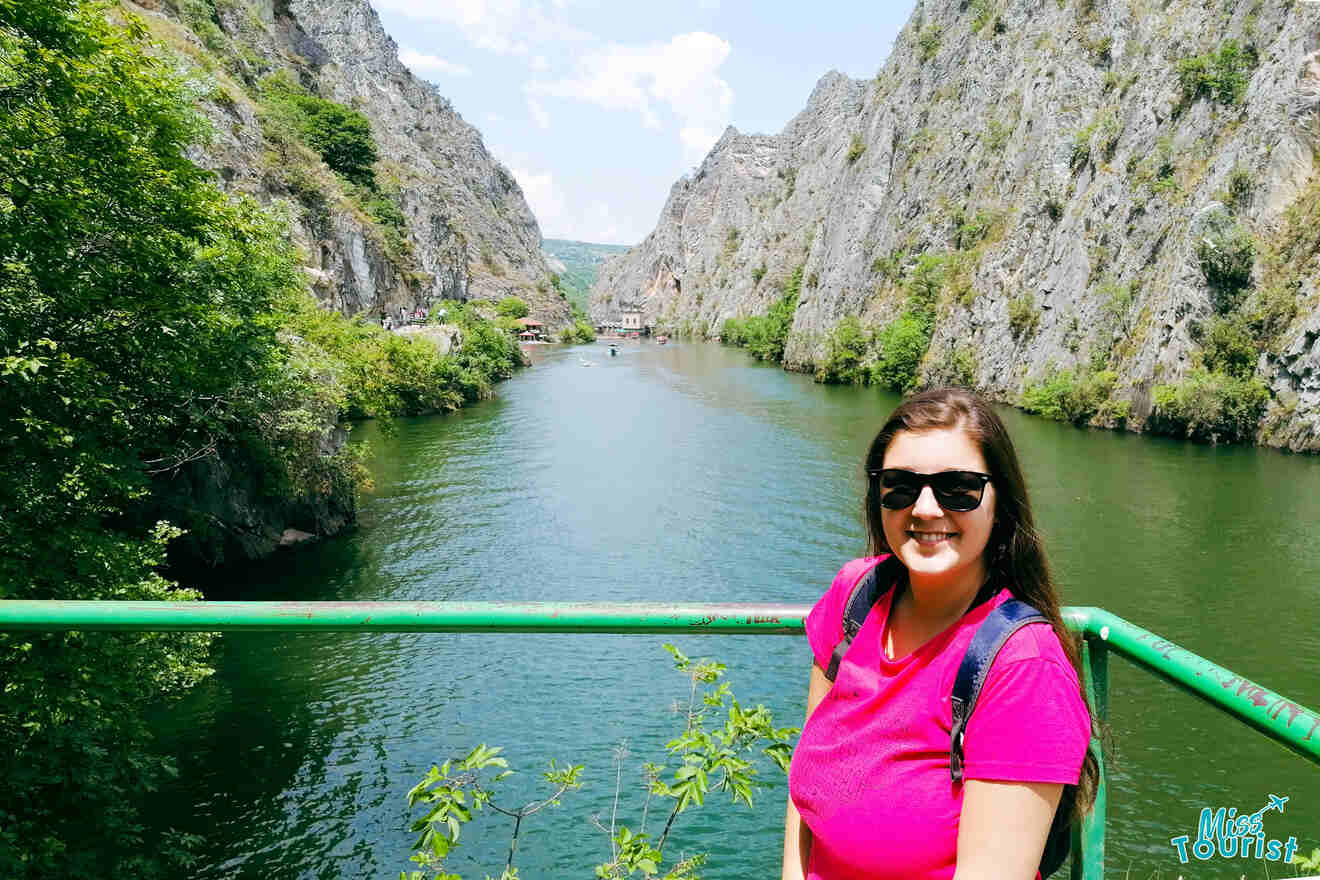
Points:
(871, 790)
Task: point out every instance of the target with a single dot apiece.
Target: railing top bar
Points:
(547, 617)
(1278, 717)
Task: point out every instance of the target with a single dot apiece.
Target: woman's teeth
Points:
(930, 537)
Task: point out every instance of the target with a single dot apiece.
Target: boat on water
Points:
(614, 349)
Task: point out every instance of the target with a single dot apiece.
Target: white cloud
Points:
(424, 65)
(682, 74)
(539, 115)
(544, 197)
(508, 27)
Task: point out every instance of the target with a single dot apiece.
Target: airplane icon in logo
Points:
(1276, 803)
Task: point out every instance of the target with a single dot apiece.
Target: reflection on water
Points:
(689, 473)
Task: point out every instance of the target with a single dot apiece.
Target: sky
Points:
(598, 106)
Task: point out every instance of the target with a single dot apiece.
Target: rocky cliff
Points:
(1120, 195)
(442, 219)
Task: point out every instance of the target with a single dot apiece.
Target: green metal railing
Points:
(1277, 717)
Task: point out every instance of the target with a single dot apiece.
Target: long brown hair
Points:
(1016, 553)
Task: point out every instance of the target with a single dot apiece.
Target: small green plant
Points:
(969, 231)
(1308, 863)
(1023, 316)
(903, 343)
(758, 273)
(711, 757)
(845, 349)
(1226, 254)
(1210, 406)
(1221, 75)
(856, 149)
(1229, 347)
(1053, 208)
(511, 307)
(732, 239)
(340, 134)
(982, 12)
(928, 41)
(1077, 397)
(996, 135)
(1241, 186)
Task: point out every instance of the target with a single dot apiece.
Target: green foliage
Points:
(903, 343)
(1241, 186)
(1023, 316)
(845, 349)
(1210, 406)
(996, 135)
(711, 758)
(890, 266)
(856, 149)
(982, 12)
(928, 42)
(511, 307)
(581, 331)
(969, 231)
(1308, 863)
(139, 331)
(765, 335)
(1226, 254)
(1077, 397)
(340, 134)
(1221, 75)
(732, 238)
(1053, 208)
(1229, 347)
(758, 273)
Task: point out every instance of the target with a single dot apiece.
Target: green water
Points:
(687, 472)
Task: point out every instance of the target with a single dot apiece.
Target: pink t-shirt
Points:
(870, 775)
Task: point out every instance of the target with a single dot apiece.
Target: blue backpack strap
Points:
(865, 593)
(990, 636)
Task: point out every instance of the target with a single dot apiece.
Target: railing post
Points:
(1088, 851)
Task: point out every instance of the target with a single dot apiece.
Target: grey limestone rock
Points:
(1067, 127)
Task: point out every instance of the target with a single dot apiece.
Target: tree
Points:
(139, 311)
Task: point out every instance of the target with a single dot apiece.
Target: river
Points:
(689, 472)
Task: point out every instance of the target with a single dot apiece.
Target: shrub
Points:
(903, 343)
(764, 336)
(856, 149)
(579, 331)
(731, 240)
(969, 231)
(1229, 347)
(1226, 254)
(511, 307)
(1210, 406)
(1241, 186)
(1221, 75)
(845, 348)
(928, 41)
(340, 134)
(924, 285)
(982, 12)
(1077, 397)
(1023, 316)
(1053, 208)
(996, 135)
(758, 273)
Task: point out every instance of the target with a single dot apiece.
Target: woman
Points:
(871, 794)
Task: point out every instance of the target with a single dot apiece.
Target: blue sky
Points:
(598, 107)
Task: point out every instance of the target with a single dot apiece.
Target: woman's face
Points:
(937, 544)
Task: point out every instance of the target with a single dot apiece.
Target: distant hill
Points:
(576, 263)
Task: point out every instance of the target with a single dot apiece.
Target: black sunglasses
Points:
(958, 491)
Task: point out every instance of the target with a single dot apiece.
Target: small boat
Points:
(614, 349)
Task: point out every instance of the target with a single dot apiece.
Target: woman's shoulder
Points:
(1033, 642)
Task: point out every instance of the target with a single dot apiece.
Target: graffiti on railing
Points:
(1273, 704)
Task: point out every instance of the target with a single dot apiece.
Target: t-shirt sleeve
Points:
(824, 624)
(1030, 724)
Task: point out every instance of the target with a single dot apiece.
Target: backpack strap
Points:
(865, 593)
(990, 636)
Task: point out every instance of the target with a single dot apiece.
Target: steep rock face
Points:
(1058, 152)
(467, 232)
